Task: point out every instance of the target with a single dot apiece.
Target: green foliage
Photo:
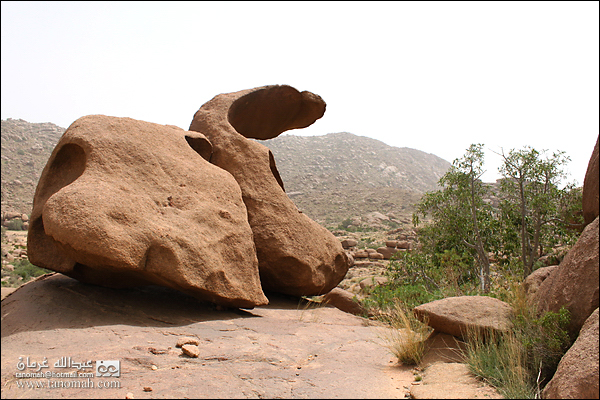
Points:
(383, 297)
(26, 270)
(545, 340)
(520, 362)
(15, 224)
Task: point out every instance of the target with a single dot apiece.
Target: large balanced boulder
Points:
(125, 203)
(591, 188)
(574, 283)
(457, 316)
(576, 376)
(296, 255)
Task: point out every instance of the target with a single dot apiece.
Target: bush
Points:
(522, 361)
(406, 336)
(15, 224)
(27, 270)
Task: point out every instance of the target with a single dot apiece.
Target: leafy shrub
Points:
(27, 270)
(15, 224)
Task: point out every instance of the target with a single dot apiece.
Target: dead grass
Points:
(406, 335)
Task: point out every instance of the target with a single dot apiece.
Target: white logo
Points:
(108, 368)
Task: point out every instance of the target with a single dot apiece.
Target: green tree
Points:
(461, 220)
(530, 191)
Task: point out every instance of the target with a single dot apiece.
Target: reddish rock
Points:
(455, 315)
(387, 252)
(361, 254)
(296, 255)
(391, 243)
(190, 350)
(532, 282)
(591, 188)
(576, 376)
(376, 256)
(404, 244)
(125, 203)
(187, 340)
(574, 284)
(347, 243)
(343, 300)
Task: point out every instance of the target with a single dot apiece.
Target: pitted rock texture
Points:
(574, 283)
(125, 203)
(296, 255)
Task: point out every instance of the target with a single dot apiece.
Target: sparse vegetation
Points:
(406, 338)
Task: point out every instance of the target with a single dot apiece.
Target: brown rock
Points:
(343, 300)
(190, 350)
(373, 281)
(347, 243)
(125, 203)
(532, 282)
(376, 256)
(577, 374)
(296, 255)
(187, 340)
(455, 315)
(404, 244)
(387, 252)
(574, 284)
(361, 254)
(591, 188)
(391, 243)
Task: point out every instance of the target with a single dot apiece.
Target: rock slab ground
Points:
(278, 350)
(282, 350)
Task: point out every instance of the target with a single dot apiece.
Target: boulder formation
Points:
(457, 315)
(296, 256)
(124, 203)
(577, 374)
(574, 283)
(591, 188)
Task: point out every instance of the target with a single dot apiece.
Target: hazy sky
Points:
(433, 76)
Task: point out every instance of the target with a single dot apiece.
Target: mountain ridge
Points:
(329, 177)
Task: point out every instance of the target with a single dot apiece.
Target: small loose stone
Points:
(187, 340)
(190, 350)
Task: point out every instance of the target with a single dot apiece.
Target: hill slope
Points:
(330, 178)
(341, 175)
(25, 150)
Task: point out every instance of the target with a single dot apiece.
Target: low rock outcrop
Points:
(577, 374)
(574, 283)
(457, 315)
(343, 300)
(296, 255)
(124, 203)
(533, 281)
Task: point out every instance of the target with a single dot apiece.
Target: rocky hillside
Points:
(331, 178)
(341, 175)
(25, 150)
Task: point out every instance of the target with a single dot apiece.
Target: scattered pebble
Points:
(147, 389)
(129, 395)
(190, 350)
(187, 340)
(153, 367)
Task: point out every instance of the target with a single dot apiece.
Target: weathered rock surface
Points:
(577, 374)
(344, 300)
(455, 315)
(123, 203)
(273, 351)
(296, 255)
(591, 188)
(532, 283)
(574, 284)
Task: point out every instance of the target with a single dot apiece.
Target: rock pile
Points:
(124, 203)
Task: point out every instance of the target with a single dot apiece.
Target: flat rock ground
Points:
(284, 350)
